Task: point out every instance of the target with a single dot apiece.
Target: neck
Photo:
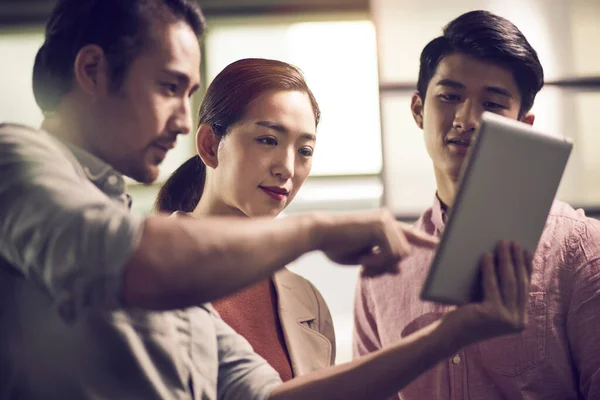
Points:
(446, 187)
(66, 126)
(208, 208)
(211, 205)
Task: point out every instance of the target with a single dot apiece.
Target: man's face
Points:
(461, 89)
(139, 124)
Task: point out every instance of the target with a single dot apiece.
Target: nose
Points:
(467, 116)
(182, 118)
(283, 165)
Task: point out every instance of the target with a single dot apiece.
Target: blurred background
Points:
(360, 58)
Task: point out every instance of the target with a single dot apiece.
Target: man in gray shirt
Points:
(97, 303)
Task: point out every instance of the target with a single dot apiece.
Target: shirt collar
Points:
(438, 214)
(101, 174)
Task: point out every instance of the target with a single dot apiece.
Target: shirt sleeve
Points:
(243, 374)
(583, 318)
(56, 228)
(366, 337)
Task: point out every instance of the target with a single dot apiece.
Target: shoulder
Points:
(291, 285)
(7, 130)
(577, 234)
(290, 281)
(16, 134)
(22, 144)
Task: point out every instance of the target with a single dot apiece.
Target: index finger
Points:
(417, 237)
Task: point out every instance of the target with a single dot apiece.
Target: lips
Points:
(276, 189)
(166, 146)
(275, 192)
(459, 141)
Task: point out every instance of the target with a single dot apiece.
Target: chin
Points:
(273, 213)
(146, 175)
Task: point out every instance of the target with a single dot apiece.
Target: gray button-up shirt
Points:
(65, 235)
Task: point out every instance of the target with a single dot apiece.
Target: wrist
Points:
(316, 227)
(452, 333)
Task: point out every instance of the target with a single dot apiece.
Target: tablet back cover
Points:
(507, 186)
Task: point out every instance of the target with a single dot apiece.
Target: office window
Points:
(560, 31)
(18, 48)
(339, 61)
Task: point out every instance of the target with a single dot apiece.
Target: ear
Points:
(207, 145)
(528, 118)
(90, 70)
(416, 106)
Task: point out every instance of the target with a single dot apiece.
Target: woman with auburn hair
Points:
(255, 141)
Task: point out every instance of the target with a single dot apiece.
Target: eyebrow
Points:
(458, 85)
(499, 90)
(282, 129)
(450, 83)
(182, 78)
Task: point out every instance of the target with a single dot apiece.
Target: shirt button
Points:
(456, 359)
(113, 180)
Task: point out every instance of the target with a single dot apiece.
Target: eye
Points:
(169, 88)
(269, 141)
(450, 97)
(306, 151)
(490, 105)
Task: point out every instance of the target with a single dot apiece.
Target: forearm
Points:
(185, 262)
(377, 375)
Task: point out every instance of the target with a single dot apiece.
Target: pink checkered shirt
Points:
(556, 357)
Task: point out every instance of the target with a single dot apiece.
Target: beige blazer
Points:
(306, 323)
(305, 320)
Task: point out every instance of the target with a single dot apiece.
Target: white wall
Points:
(18, 48)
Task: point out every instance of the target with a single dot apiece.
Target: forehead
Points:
(290, 108)
(173, 45)
(474, 74)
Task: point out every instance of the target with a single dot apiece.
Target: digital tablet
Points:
(507, 185)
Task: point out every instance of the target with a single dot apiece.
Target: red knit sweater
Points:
(253, 313)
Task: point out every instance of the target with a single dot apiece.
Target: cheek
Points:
(122, 126)
(244, 172)
(438, 122)
(438, 113)
(152, 112)
(301, 174)
(513, 112)
(156, 114)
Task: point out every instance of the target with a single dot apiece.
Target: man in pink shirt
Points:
(484, 63)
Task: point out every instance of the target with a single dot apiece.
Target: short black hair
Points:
(491, 38)
(119, 27)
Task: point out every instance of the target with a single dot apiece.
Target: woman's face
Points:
(266, 157)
